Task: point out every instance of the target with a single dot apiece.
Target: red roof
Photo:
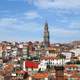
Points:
(21, 72)
(40, 75)
(31, 64)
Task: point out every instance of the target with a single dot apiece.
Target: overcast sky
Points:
(23, 20)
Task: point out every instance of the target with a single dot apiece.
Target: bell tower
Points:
(46, 36)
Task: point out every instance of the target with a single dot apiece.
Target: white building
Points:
(76, 51)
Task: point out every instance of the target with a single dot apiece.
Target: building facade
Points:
(46, 36)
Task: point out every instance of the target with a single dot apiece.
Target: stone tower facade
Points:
(46, 36)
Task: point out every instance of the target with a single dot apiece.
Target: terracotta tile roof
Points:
(65, 77)
(8, 67)
(71, 65)
(31, 64)
(20, 72)
(40, 75)
(75, 75)
(48, 58)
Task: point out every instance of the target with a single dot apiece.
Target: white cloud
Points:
(11, 24)
(28, 27)
(56, 3)
(29, 1)
(32, 15)
(13, 29)
(63, 35)
(63, 32)
(75, 25)
(7, 21)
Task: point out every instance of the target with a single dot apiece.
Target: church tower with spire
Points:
(46, 36)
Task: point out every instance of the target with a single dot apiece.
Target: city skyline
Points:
(24, 20)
